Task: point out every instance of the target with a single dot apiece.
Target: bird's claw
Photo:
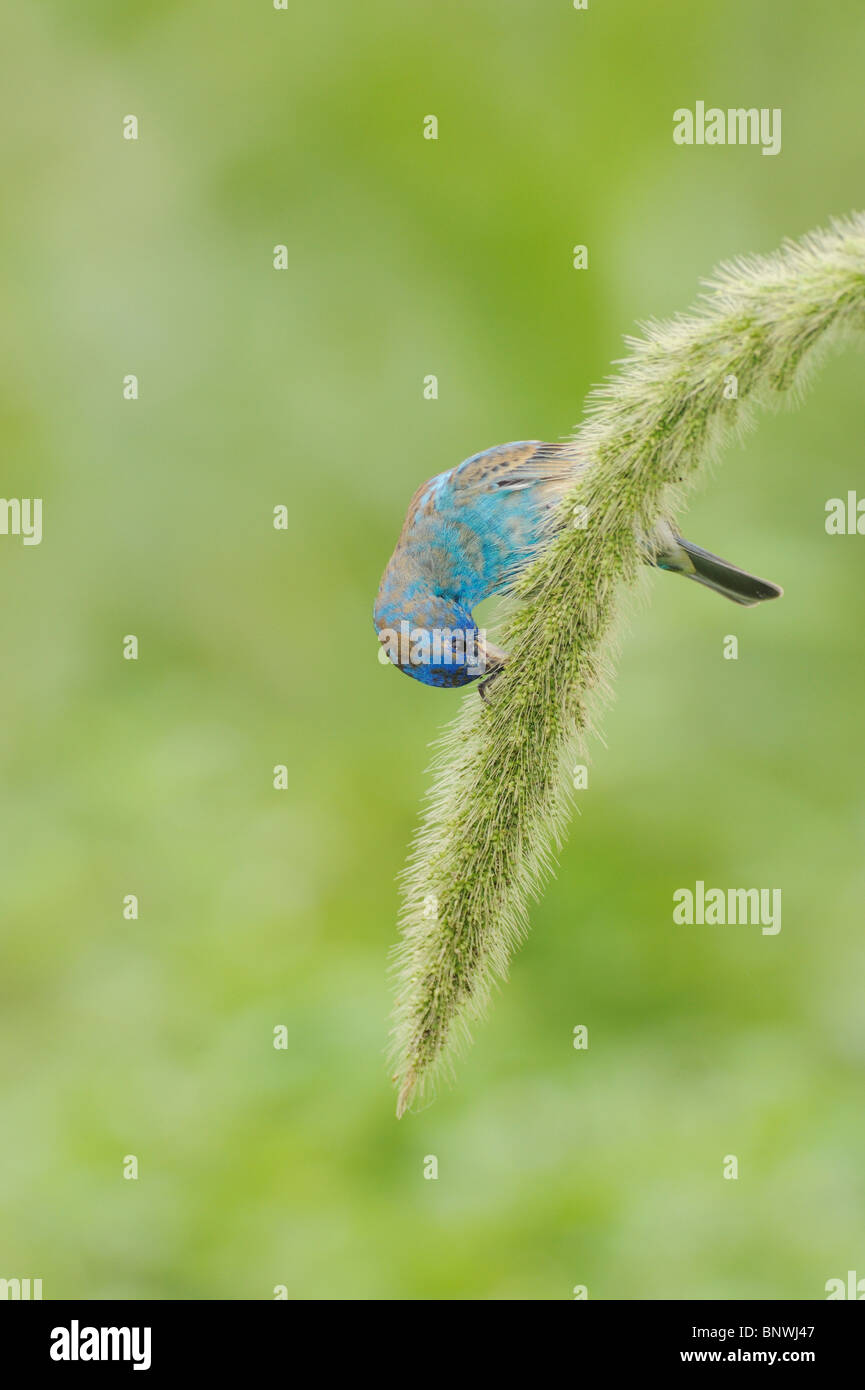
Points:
(487, 682)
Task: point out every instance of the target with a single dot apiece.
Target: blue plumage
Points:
(469, 532)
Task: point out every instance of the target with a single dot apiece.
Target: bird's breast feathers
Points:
(472, 529)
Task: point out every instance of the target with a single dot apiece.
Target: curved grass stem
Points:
(499, 798)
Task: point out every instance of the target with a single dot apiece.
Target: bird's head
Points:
(436, 642)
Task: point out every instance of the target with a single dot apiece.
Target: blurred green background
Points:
(258, 908)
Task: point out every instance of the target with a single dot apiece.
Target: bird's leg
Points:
(496, 660)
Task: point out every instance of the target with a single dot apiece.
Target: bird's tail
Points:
(717, 574)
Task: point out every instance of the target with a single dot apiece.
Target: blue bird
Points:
(469, 532)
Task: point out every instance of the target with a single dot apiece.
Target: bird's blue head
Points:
(439, 644)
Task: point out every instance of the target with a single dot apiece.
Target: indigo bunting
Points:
(470, 531)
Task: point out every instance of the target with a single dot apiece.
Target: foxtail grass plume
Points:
(499, 797)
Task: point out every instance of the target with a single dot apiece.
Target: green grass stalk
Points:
(499, 798)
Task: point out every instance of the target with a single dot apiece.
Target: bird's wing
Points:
(516, 467)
